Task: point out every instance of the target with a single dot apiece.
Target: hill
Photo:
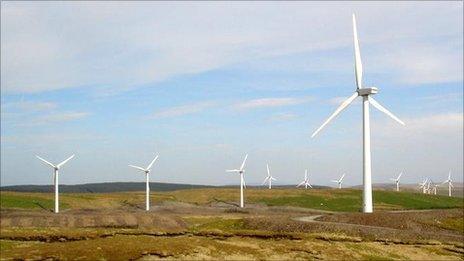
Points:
(102, 187)
(109, 187)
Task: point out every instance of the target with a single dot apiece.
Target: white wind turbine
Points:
(397, 181)
(147, 178)
(366, 94)
(55, 178)
(305, 182)
(435, 189)
(240, 171)
(339, 181)
(423, 185)
(268, 178)
(450, 183)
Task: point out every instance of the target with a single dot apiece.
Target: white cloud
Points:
(29, 106)
(60, 117)
(284, 116)
(51, 45)
(183, 110)
(270, 102)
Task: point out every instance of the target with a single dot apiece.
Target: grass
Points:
(453, 223)
(27, 202)
(349, 200)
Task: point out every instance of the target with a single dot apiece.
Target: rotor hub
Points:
(367, 91)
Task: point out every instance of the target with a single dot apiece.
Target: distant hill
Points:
(458, 190)
(102, 187)
(109, 187)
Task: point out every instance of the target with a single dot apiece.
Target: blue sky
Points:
(202, 84)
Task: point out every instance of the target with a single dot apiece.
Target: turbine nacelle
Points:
(367, 91)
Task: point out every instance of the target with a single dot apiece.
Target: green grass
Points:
(27, 202)
(214, 223)
(351, 201)
(347, 200)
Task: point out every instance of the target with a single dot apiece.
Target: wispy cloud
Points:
(129, 44)
(284, 116)
(270, 102)
(184, 110)
(29, 106)
(60, 117)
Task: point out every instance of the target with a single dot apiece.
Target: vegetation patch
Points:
(8, 200)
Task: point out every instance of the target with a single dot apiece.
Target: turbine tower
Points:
(366, 93)
(450, 183)
(55, 178)
(339, 181)
(240, 171)
(268, 178)
(397, 181)
(147, 178)
(305, 182)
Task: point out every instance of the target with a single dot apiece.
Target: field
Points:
(206, 224)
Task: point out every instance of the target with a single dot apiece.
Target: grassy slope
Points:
(324, 199)
(26, 201)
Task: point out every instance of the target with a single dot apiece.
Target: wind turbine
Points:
(55, 178)
(147, 178)
(397, 181)
(268, 178)
(240, 171)
(305, 182)
(339, 181)
(423, 184)
(429, 189)
(450, 183)
(435, 189)
(366, 93)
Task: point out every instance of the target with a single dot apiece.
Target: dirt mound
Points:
(92, 218)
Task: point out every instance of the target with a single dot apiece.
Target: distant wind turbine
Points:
(435, 189)
(240, 171)
(268, 178)
(366, 93)
(147, 179)
(423, 185)
(305, 182)
(397, 181)
(450, 183)
(339, 181)
(55, 178)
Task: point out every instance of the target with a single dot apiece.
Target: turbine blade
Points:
(64, 161)
(265, 180)
(268, 172)
(451, 184)
(399, 176)
(357, 56)
(301, 184)
(232, 170)
(384, 110)
(46, 162)
(273, 178)
(136, 167)
(340, 180)
(310, 185)
(334, 180)
(152, 162)
(243, 163)
(337, 111)
(449, 175)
